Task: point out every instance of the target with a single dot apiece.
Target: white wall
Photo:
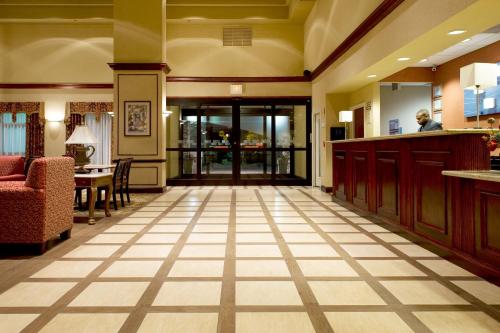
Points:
(403, 104)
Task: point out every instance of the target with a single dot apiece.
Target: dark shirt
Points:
(431, 125)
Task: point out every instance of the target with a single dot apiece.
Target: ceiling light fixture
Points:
(466, 40)
(456, 32)
(403, 59)
(424, 60)
(372, 76)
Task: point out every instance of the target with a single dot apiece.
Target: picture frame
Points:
(137, 118)
(437, 91)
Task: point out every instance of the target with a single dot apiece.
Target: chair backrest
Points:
(119, 169)
(126, 171)
(11, 165)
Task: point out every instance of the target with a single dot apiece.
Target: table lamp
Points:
(345, 117)
(82, 136)
(478, 76)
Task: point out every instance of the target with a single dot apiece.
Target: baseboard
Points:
(146, 189)
(326, 189)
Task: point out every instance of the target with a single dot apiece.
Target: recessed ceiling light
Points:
(424, 60)
(372, 75)
(456, 32)
(466, 40)
(403, 59)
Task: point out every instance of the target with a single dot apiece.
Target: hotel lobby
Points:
(250, 166)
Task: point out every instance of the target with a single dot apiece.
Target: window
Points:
(12, 134)
(102, 132)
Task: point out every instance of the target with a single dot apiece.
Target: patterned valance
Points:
(89, 107)
(24, 107)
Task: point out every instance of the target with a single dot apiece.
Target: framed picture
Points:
(437, 105)
(137, 118)
(437, 91)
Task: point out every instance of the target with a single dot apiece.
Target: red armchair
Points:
(12, 168)
(41, 208)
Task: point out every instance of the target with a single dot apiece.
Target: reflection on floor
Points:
(235, 259)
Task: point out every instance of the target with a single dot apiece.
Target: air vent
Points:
(237, 36)
(368, 106)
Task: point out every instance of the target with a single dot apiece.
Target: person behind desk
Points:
(426, 123)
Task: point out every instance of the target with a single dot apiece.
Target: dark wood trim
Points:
(158, 160)
(383, 10)
(146, 189)
(139, 66)
(56, 85)
(239, 79)
(196, 101)
(326, 189)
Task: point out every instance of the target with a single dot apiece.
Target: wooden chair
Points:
(118, 181)
(126, 178)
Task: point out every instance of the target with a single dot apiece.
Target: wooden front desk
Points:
(399, 178)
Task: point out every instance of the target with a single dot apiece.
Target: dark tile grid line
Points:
(475, 303)
(393, 304)
(144, 305)
(227, 314)
(492, 310)
(60, 306)
(317, 317)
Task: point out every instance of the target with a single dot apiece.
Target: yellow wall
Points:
(196, 50)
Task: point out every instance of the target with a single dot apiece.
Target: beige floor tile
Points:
(337, 228)
(351, 238)
(188, 203)
(328, 220)
(136, 220)
(158, 239)
(159, 203)
(267, 293)
(390, 268)
(280, 208)
(215, 214)
(367, 322)
(86, 323)
(207, 238)
(316, 208)
(373, 228)
(444, 268)
(125, 228)
(203, 251)
(273, 322)
(319, 213)
(312, 250)
(326, 268)
(250, 220)
(413, 250)
(367, 250)
(389, 237)
(301, 237)
(34, 294)
(148, 251)
(249, 214)
(359, 220)
(345, 293)
(217, 209)
(132, 269)
(274, 268)
(185, 209)
(210, 228)
(256, 208)
(152, 209)
(189, 293)
(253, 228)
(485, 291)
(255, 238)
(14, 323)
(295, 228)
(422, 292)
(290, 220)
(180, 214)
(110, 294)
(197, 268)
(67, 269)
(110, 239)
(213, 220)
(275, 213)
(92, 251)
(175, 220)
(168, 228)
(247, 251)
(347, 214)
(146, 214)
(179, 322)
(458, 321)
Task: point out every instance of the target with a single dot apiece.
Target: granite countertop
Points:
(419, 135)
(488, 175)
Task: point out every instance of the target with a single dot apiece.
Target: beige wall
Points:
(202, 89)
(196, 50)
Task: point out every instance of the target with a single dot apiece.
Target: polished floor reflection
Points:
(243, 259)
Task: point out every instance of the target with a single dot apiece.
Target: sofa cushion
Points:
(12, 178)
(11, 165)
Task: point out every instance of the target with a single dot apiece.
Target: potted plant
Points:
(283, 163)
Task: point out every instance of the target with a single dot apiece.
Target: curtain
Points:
(74, 119)
(34, 136)
(102, 131)
(12, 134)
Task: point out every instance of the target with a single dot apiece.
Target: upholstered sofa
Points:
(12, 168)
(40, 208)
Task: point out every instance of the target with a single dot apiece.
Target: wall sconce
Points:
(478, 75)
(489, 103)
(236, 89)
(345, 117)
(111, 113)
(54, 117)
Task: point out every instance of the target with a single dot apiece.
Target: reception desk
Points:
(400, 179)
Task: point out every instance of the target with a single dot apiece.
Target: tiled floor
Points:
(254, 259)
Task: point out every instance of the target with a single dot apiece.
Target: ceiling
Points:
(181, 11)
(476, 42)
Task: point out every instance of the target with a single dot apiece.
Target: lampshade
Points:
(81, 135)
(345, 116)
(478, 74)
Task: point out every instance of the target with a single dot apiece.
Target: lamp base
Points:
(81, 169)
